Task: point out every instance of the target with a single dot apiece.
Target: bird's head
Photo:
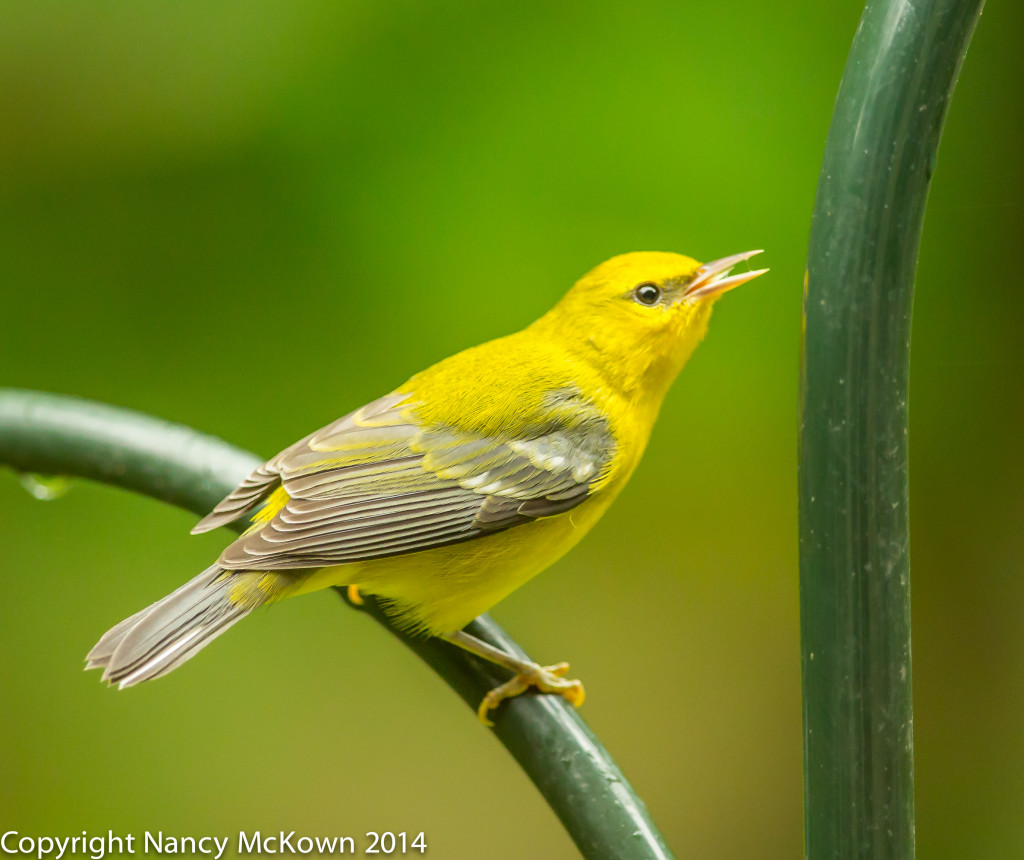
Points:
(638, 317)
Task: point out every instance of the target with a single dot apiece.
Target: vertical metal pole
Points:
(854, 565)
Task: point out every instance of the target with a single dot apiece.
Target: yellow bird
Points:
(445, 495)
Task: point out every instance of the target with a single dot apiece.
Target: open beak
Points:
(713, 279)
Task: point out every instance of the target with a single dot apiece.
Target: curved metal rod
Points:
(854, 564)
(57, 435)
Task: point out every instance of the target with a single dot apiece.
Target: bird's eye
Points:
(647, 294)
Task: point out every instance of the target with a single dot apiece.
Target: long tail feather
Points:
(163, 636)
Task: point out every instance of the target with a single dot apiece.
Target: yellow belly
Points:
(442, 590)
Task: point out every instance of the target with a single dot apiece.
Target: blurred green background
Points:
(253, 218)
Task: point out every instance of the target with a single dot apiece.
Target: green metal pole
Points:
(854, 564)
(56, 435)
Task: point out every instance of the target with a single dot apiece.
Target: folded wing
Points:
(378, 483)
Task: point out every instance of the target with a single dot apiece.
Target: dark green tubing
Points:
(854, 563)
(56, 435)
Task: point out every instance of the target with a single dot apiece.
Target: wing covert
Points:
(375, 483)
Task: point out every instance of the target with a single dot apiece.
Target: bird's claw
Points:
(547, 679)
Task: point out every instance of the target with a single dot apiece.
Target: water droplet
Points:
(46, 488)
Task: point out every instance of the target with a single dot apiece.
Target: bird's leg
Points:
(547, 679)
(350, 594)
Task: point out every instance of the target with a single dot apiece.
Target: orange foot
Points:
(547, 679)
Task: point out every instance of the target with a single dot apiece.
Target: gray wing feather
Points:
(376, 483)
(246, 497)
